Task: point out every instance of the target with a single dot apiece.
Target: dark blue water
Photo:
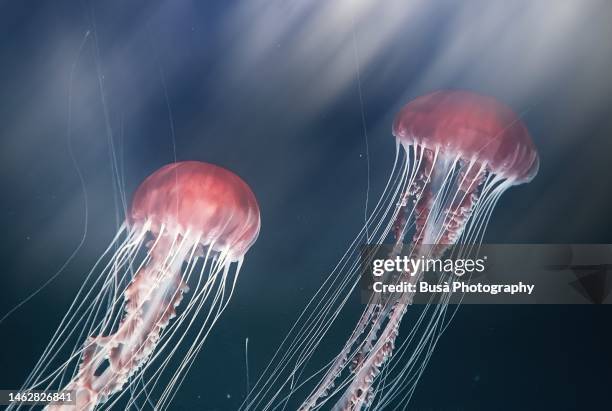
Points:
(270, 90)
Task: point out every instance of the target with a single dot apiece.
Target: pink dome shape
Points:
(205, 199)
(473, 126)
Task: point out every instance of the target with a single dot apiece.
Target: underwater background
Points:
(298, 98)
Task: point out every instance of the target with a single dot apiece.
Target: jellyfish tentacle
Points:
(360, 392)
(151, 301)
(414, 199)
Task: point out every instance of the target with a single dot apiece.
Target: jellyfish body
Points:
(471, 148)
(458, 151)
(183, 215)
(471, 127)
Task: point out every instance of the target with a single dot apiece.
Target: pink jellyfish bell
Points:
(470, 126)
(190, 225)
(204, 202)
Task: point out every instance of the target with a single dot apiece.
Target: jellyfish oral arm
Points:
(472, 195)
(151, 301)
(438, 203)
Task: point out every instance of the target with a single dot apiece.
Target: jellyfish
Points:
(188, 229)
(456, 153)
